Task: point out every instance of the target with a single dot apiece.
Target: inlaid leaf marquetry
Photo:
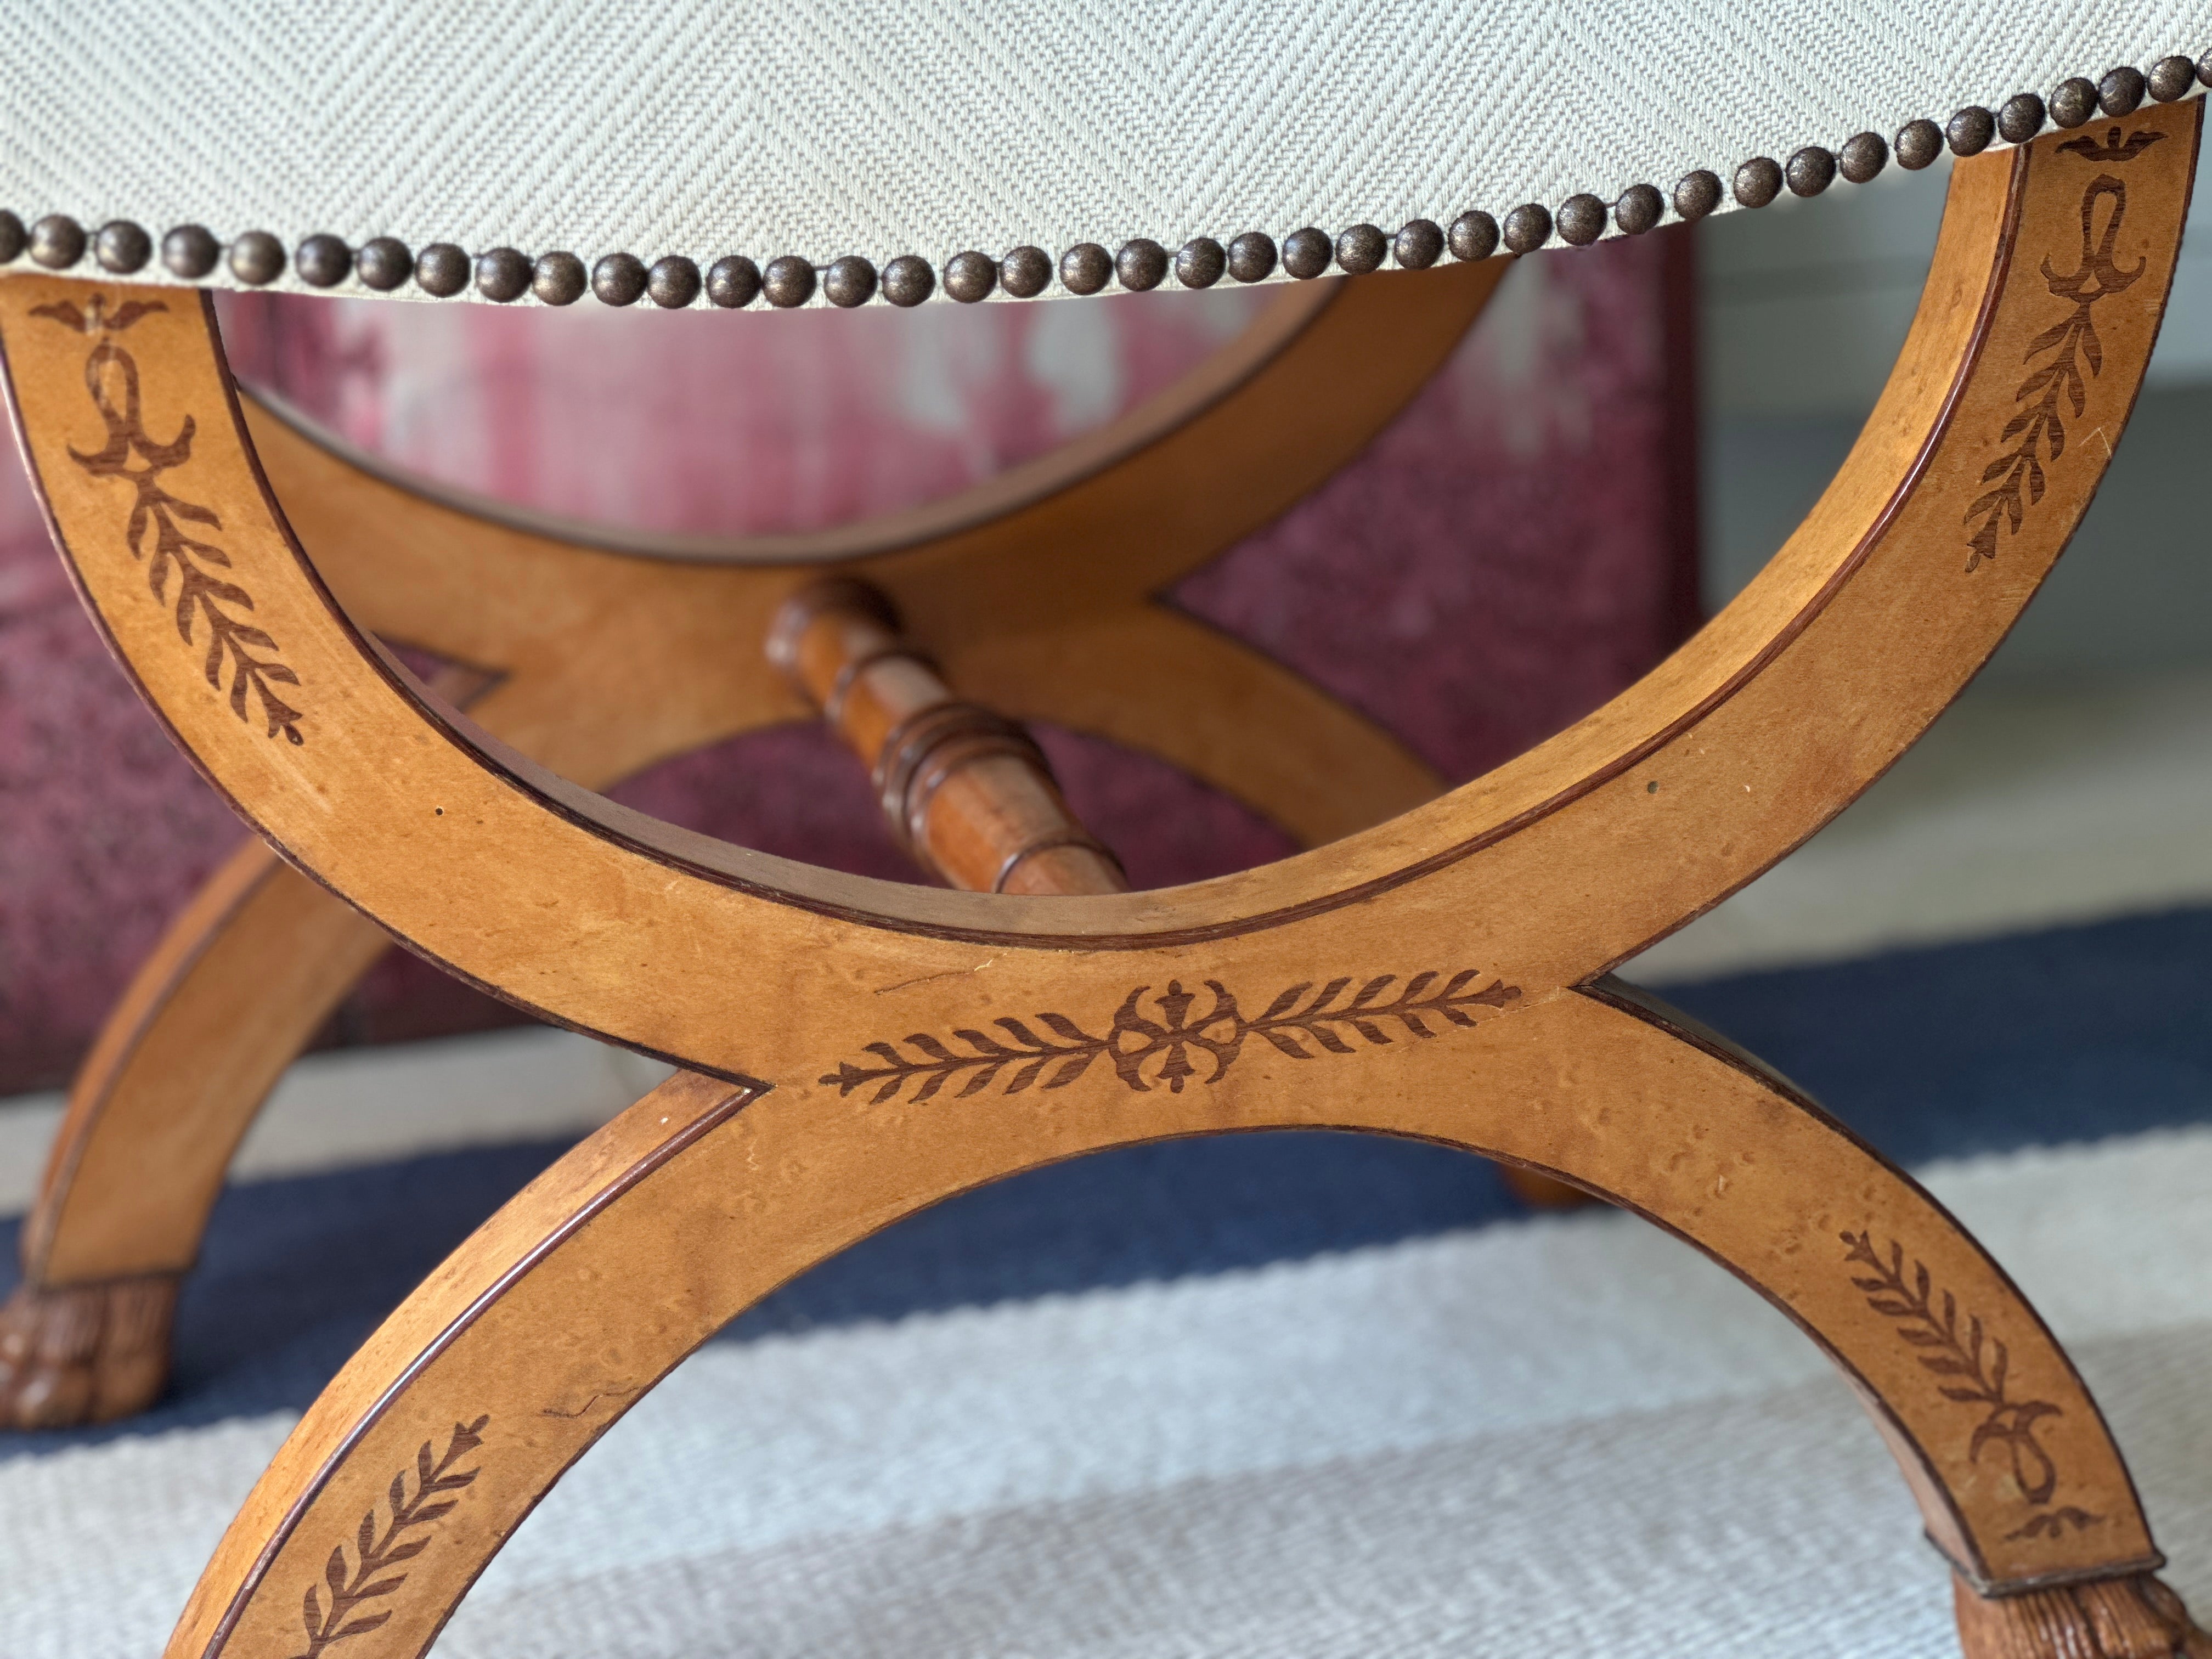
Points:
(1976, 1370)
(161, 518)
(2056, 387)
(377, 1549)
(1176, 1039)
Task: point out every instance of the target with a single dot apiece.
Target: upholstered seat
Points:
(681, 150)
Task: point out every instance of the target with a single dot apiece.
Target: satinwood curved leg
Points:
(254, 968)
(1443, 974)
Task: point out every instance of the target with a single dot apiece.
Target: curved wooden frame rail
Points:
(1036, 588)
(856, 1050)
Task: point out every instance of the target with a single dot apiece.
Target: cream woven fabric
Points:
(828, 127)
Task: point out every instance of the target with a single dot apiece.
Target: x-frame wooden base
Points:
(855, 1050)
(1035, 589)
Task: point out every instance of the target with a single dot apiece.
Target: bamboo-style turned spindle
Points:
(967, 791)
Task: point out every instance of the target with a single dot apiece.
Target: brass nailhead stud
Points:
(733, 282)
(2121, 91)
(850, 281)
(1200, 262)
(2020, 118)
(788, 282)
(2171, 77)
(441, 269)
(1581, 221)
(1528, 227)
(502, 274)
(1473, 235)
(1697, 195)
(1086, 268)
(1307, 253)
(56, 241)
(558, 279)
(1862, 157)
(323, 261)
(381, 264)
(907, 279)
(1811, 171)
(1252, 257)
(1969, 130)
(1419, 243)
(2073, 101)
(673, 282)
(1026, 271)
(123, 248)
(1757, 182)
(1918, 143)
(256, 258)
(618, 279)
(970, 277)
(14, 238)
(1140, 264)
(1639, 208)
(1361, 249)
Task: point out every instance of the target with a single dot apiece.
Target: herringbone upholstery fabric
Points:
(825, 127)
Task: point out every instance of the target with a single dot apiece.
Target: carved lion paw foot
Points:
(2132, 1618)
(72, 1354)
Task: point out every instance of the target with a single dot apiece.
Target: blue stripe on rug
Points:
(2072, 1035)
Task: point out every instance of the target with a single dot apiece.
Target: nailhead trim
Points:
(442, 270)
(2073, 101)
(673, 282)
(1640, 208)
(1863, 158)
(1361, 249)
(1473, 235)
(849, 281)
(2020, 118)
(1200, 263)
(1697, 194)
(1252, 257)
(1581, 221)
(502, 275)
(1141, 265)
(733, 283)
(1528, 227)
(619, 279)
(1026, 272)
(1970, 130)
(321, 261)
(123, 248)
(788, 282)
(2169, 77)
(1306, 253)
(908, 281)
(1086, 268)
(1419, 243)
(558, 279)
(1918, 143)
(256, 258)
(1811, 170)
(1757, 182)
(970, 277)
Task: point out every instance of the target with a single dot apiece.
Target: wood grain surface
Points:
(860, 1049)
(604, 660)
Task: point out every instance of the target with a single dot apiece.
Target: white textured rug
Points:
(1566, 1436)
